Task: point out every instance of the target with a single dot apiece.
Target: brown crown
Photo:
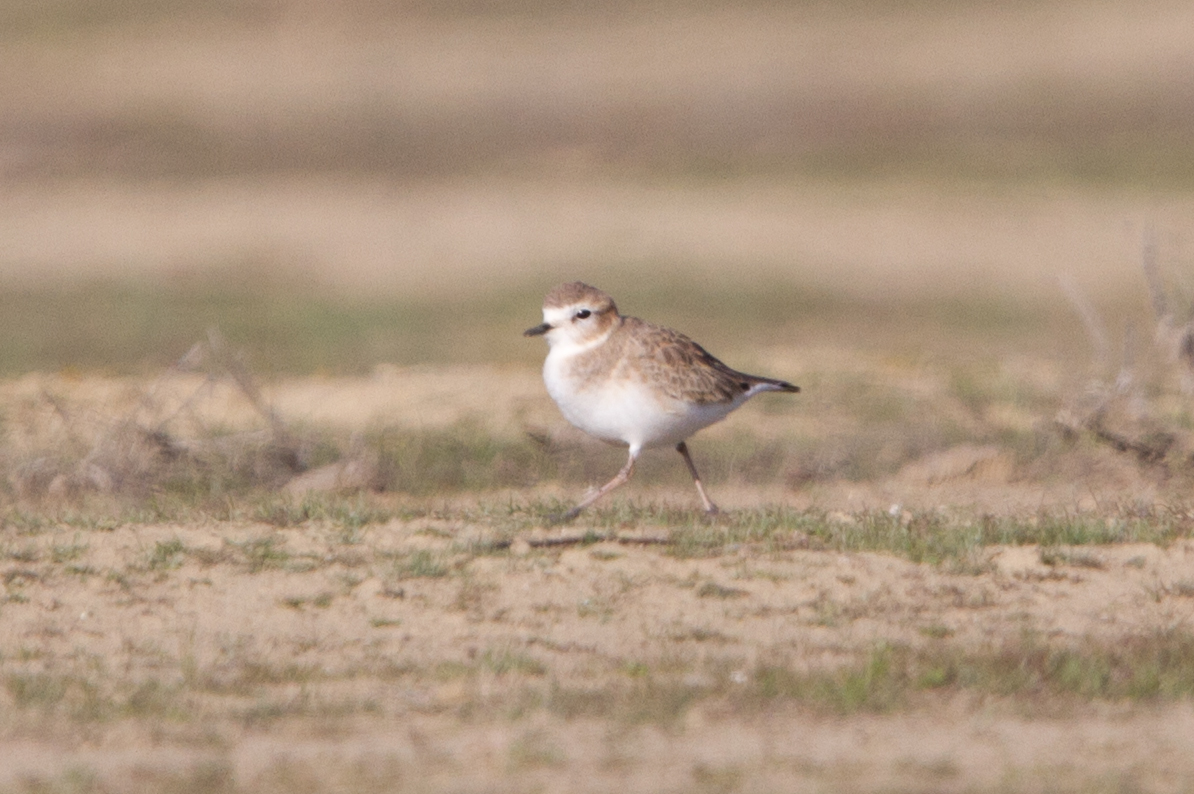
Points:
(576, 292)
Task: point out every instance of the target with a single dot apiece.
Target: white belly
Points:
(627, 412)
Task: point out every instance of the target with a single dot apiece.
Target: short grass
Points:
(138, 326)
(924, 537)
(324, 547)
(1038, 675)
(875, 412)
(131, 327)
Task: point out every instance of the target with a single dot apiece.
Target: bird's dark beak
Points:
(538, 330)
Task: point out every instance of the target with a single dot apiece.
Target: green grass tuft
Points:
(421, 564)
(1156, 667)
(261, 554)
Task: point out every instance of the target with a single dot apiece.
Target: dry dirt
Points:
(396, 673)
(408, 655)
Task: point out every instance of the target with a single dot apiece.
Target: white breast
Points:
(624, 411)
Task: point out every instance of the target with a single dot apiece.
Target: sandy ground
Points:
(397, 672)
(235, 654)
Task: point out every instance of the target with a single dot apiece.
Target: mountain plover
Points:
(626, 381)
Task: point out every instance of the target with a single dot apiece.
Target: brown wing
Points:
(683, 369)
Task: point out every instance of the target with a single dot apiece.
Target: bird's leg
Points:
(710, 508)
(617, 481)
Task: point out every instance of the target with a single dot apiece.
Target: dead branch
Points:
(1156, 287)
(581, 539)
(69, 422)
(1117, 414)
(1090, 319)
(286, 444)
(133, 451)
(587, 538)
(1147, 451)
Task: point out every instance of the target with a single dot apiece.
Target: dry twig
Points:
(144, 447)
(1118, 413)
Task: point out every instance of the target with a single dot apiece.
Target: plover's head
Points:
(576, 314)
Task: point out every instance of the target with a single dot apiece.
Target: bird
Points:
(632, 383)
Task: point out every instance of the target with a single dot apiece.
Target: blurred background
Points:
(340, 184)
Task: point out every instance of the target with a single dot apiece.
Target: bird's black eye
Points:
(583, 314)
